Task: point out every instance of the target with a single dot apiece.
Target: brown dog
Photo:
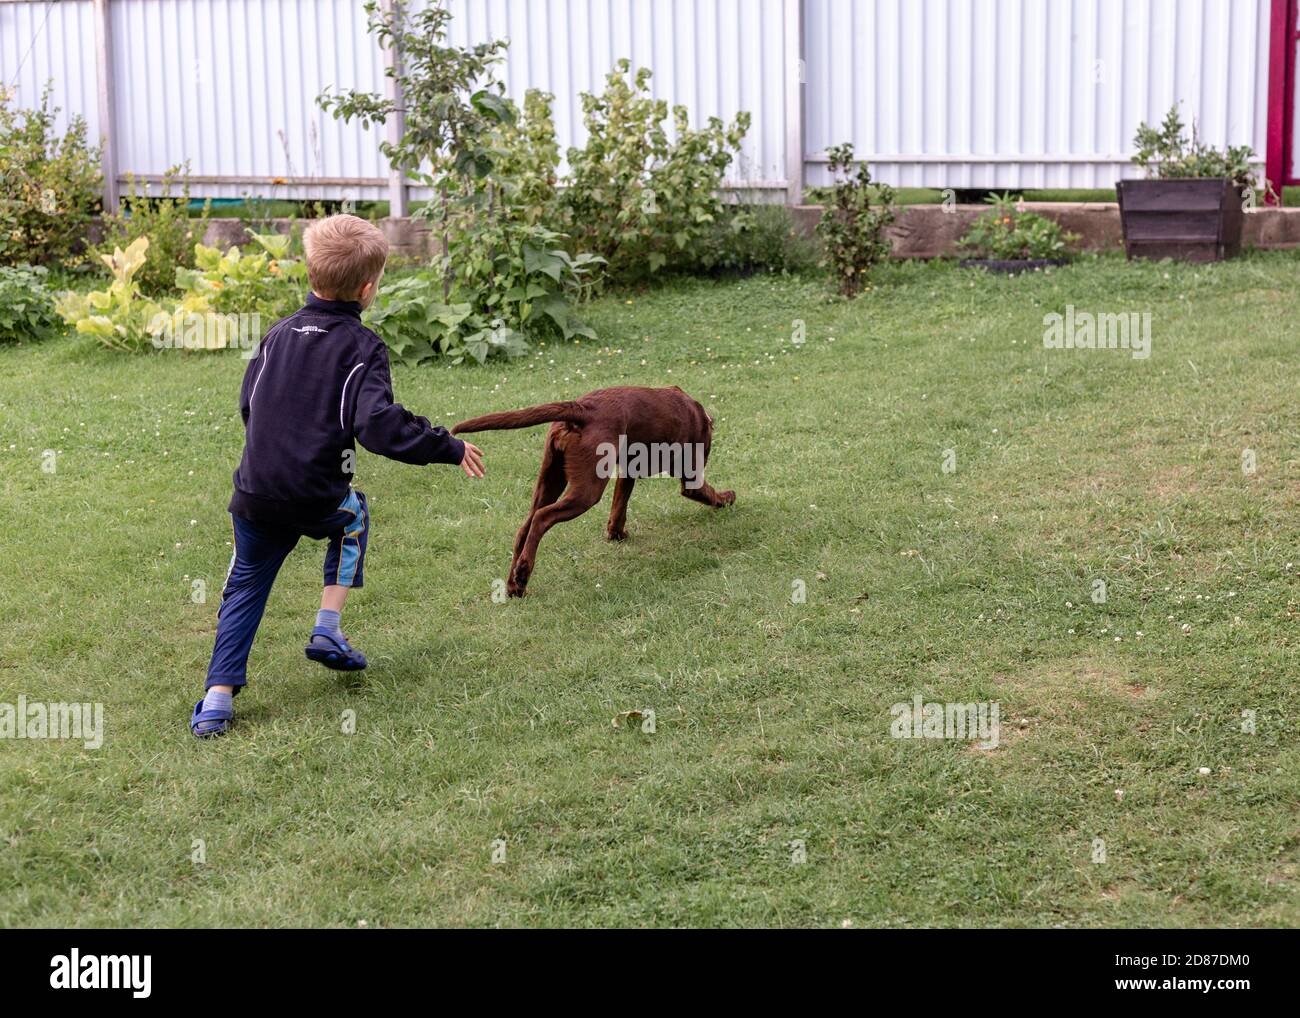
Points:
(628, 430)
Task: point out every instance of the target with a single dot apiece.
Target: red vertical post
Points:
(1281, 80)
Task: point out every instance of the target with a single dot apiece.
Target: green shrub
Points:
(513, 272)
(166, 222)
(508, 268)
(635, 197)
(417, 325)
(51, 185)
(528, 156)
(1167, 152)
(758, 238)
(26, 304)
(1009, 233)
(852, 227)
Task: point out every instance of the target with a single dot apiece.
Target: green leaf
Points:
(494, 107)
(539, 260)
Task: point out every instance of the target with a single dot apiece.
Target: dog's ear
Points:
(710, 417)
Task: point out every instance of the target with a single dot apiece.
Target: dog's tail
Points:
(566, 411)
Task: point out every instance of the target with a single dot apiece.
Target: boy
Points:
(319, 382)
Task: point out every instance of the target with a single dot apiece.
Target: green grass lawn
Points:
(480, 721)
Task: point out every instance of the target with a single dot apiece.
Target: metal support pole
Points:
(399, 206)
(795, 76)
(107, 105)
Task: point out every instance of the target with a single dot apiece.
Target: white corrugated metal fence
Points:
(959, 93)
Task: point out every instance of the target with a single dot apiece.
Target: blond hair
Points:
(343, 254)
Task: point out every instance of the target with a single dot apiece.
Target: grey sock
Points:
(214, 699)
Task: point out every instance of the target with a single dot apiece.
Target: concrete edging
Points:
(921, 231)
(932, 231)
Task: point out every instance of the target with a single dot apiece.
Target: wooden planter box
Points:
(1194, 219)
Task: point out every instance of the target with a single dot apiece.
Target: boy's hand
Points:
(472, 463)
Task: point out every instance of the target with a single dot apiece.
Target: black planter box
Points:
(1194, 219)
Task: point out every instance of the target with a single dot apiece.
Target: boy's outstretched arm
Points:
(389, 429)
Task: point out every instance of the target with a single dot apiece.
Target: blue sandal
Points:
(334, 651)
(207, 723)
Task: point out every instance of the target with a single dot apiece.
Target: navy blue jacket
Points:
(320, 383)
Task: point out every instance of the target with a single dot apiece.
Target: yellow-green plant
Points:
(268, 283)
(118, 317)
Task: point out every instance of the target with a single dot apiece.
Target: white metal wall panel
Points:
(1026, 93)
(230, 86)
(55, 43)
(961, 93)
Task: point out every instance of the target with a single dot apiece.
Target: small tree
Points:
(449, 99)
(852, 227)
(448, 95)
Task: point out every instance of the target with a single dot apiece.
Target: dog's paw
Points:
(518, 582)
(615, 535)
(726, 498)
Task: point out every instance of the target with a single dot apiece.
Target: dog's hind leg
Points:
(617, 528)
(576, 501)
(549, 487)
(703, 493)
(695, 487)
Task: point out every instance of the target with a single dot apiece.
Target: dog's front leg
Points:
(576, 501)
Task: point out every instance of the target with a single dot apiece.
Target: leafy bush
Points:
(520, 252)
(268, 283)
(26, 304)
(503, 256)
(1166, 152)
(232, 299)
(641, 201)
(852, 227)
(758, 238)
(51, 185)
(527, 154)
(118, 317)
(512, 271)
(166, 222)
(1007, 232)
(508, 268)
(417, 325)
